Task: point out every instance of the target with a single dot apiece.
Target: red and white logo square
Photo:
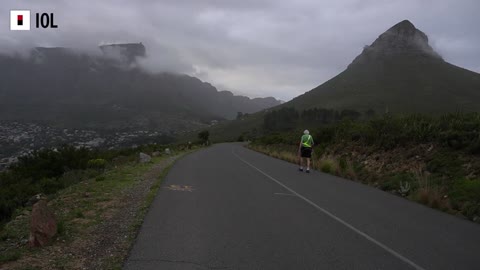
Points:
(20, 20)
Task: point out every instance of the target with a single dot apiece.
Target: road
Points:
(227, 207)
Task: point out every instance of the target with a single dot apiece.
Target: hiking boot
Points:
(300, 169)
(308, 171)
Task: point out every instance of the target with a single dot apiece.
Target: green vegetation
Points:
(11, 255)
(86, 206)
(203, 136)
(98, 163)
(456, 131)
(434, 160)
(50, 170)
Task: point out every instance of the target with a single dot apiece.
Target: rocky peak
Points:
(404, 27)
(402, 38)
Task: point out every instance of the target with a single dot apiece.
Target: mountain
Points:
(69, 89)
(401, 73)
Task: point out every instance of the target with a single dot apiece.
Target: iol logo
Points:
(20, 20)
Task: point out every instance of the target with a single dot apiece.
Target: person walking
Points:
(305, 150)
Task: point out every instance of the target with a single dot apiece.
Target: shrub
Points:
(443, 163)
(98, 163)
(432, 197)
(327, 166)
(466, 190)
(342, 163)
(203, 136)
(79, 214)
(465, 197)
(394, 182)
(61, 227)
(9, 255)
(100, 178)
(50, 185)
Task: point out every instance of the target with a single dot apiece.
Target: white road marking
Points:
(346, 224)
(285, 194)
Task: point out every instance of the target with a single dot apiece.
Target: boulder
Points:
(144, 158)
(156, 154)
(33, 200)
(43, 225)
(167, 151)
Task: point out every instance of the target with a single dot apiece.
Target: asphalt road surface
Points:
(227, 207)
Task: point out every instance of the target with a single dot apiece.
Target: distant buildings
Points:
(19, 139)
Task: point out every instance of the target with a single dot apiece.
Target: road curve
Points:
(227, 207)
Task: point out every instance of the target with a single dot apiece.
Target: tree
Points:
(203, 136)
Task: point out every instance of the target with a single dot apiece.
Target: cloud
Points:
(256, 47)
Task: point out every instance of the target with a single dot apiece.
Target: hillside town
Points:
(18, 139)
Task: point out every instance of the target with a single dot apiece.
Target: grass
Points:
(327, 164)
(78, 209)
(445, 187)
(9, 255)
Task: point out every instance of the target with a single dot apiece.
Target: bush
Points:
(466, 190)
(327, 166)
(432, 197)
(443, 163)
(394, 181)
(79, 214)
(100, 178)
(203, 136)
(98, 163)
(50, 185)
(9, 255)
(61, 227)
(342, 163)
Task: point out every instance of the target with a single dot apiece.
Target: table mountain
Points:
(71, 89)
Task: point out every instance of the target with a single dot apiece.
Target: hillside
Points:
(69, 89)
(399, 72)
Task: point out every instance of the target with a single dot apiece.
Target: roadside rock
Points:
(156, 154)
(144, 158)
(33, 200)
(167, 151)
(43, 225)
(476, 219)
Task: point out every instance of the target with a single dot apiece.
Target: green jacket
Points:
(307, 141)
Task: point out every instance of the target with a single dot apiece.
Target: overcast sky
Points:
(253, 47)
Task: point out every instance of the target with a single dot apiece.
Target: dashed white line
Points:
(343, 222)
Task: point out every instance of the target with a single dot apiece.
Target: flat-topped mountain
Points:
(125, 52)
(67, 88)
